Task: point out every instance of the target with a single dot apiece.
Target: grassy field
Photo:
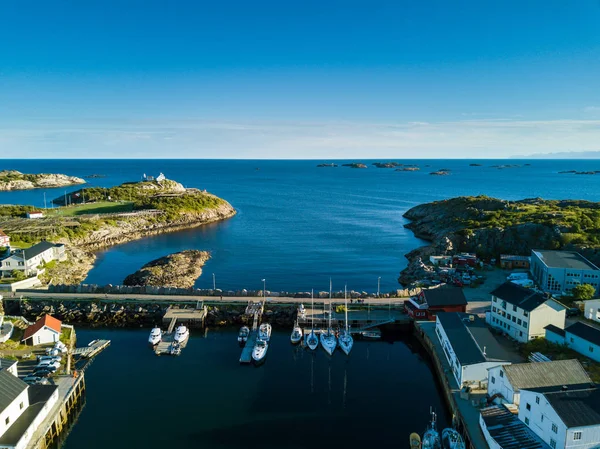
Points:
(101, 207)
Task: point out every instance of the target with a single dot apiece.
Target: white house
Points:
(560, 271)
(507, 381)
(563, 417)
(29, 260)
(522, 313)
(22, 409)
(35, 214)
(592, 310)
(502, 429)
(8, 365)
(580, 337)
(43, 331)
(469, 346)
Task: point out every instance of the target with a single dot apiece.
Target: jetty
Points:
(187, 316)
(91, 350)
(255, 310)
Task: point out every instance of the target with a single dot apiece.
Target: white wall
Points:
(28, 434)
(592, 310)
(478, 373)
(501, 385)
(45, 335)
(548, 313)
(13, 411)
(517, 321)
(583, 346)
(448, 351)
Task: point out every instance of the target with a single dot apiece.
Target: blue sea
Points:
(298, 224)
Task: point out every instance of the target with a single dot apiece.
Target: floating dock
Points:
(254, 309)
(189, 317)
(93, 349)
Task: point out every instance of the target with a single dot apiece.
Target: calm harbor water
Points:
(298, 224)
(296, 399)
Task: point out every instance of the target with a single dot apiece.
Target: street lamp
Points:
(264, 281)
(378, 285)
(214, 282)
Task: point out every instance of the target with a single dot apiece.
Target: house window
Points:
(514, 319)
(554, 428)
(528, 406)
(572, 340)
(508, 316)
(526, 420)
(504, 305)
(552, 443)
(577, 436)
(591, 349)
(493, 380)
(494, 309)
(542, 418)
(493, 298)
(520, 333)
(537, 399)
(501, 373)
(514, 308)
(21, 406)
(519, 321)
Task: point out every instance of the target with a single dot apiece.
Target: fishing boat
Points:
(431, 437)
(296, 336)
(260, 350)
(415, 441)
(301, 311)
(451, 439)
(181, 334)
(345, 339)
(155, 336)
(312, 341)
(371, 335)
(243, 335)
(264, 332)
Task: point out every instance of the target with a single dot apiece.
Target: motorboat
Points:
(431, 437)
(296, 336)
(451, 439)
(345, 339)
(260, 350)
(371, 335)
(312, 341)
(301, 311)
(182, 333)
(264, 332)
(243, 335)
(155, 336)
(415, 441)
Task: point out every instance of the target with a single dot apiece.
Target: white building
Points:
(22, 409)
(31, 259)
(469, 346)
(580, 337)
(35, 214)
(502, 429)
(563, 417)
(45, 330)
(8, 365)
(560, 271)
(592, 310)
(506, 382)
(522, 313)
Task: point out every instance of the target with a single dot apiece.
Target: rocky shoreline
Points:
(15, 180)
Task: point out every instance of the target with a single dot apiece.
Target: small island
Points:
(474, 165)
(327, 165)
(178, 270)
(408, 169)
(386, 164)
(440, 172)
(355, 165)
(15, 180)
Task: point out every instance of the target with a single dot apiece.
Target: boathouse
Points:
(470, 347)
(45, 330)
(579, 336)
(429, 302)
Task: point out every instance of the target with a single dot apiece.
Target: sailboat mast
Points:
(346, 308)
(312, 310)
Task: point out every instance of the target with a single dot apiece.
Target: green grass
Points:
(101, 207)
(20, 245)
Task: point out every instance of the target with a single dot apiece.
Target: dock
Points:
(187, 316)
(255, 310)
(358, 320)
(93, 349)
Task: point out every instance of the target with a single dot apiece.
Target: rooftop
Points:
(10, 388)
(46, 320)
(564, 259)
(522, 297)
(576, 405)
(38, 249)
(6, 363)
(512, 257)
(555, 329)
(545, 374)
(585, 331)
(508, 430)
(445, 296)
(470, 339)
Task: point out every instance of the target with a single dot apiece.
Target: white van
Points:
(515, 276)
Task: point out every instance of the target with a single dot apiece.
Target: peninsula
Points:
(490, 227)
(15, 180)
(101, 217)
(175, 270)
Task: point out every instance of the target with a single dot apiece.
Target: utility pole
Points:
(264, 290)
(378, 285)
(214, 282)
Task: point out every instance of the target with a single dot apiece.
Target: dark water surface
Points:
(297, 224)
(296, 399)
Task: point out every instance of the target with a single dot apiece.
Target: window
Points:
(514, 308)
(528, 406)
(514, 319)
(21, 406)
(494, 309)
(552, 443)
(554, 428)
(525, 313)
(591, 349)
(537, 399)
(504, 305)
(501, 373)
(576, 436)
(526, 420)
(519, 321)
(493, 380)
(542, 418)
(572, 340)
(520, 333)
(7, 420)
(493, 298)
(508, 316)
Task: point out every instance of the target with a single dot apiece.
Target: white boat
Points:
(181, 334)
(328, 341)
(155, 336)
(451, 439)
(301, 311)
(264, 332)
(296, 336)
(371, 335)
(260, 350)
(431, 437)
(243, 335)
(345, 339)
(312, 341)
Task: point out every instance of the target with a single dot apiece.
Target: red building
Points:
(426, 304)
(4, 239)
(464, 259)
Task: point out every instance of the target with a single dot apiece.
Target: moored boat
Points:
(243, 335)
(415, 441)
(296, 336)
(451, 439)
(312, 341)
(155, 336)
(371, 335)
(181, 334)
(328, 341)
(301, 311)
(260, 350)
(264, 332)
(345, 339)
(431, 437)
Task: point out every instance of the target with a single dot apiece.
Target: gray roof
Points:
(38, 249)
(508, 430)
(445, 296)
(6, 363)
(10, 388)
(555, 329)
(522, 297)
(546, 374)
(576, 405)
(469, 339)
(585, 331)
(564, 259)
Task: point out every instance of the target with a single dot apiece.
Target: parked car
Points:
(43, 372)
(573, 311)
(51, 358)
(35, 380)
(48, 364)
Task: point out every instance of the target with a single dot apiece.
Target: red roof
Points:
(46, 320)
(2, 234)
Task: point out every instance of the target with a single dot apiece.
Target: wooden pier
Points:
(189, 317)
(358, 320)
(94, 348)
(255, 310)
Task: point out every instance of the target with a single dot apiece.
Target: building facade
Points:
(510, 262)
(559, 271)
(580, 337)
(31, 260)
(4, 239)
(591, 310)
(522, 313)
(45, 330)
(429, 302)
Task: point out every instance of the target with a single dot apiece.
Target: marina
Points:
(175, 338)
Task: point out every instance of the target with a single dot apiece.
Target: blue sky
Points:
(309, 79)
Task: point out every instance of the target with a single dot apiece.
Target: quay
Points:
(255, 310)
(190, 317)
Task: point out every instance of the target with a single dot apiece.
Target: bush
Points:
(583, 292)
(18, 275)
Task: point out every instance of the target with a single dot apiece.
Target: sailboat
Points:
(328, 340)
(345, 339)
(296, 336)
(431, 437)
(312, 341)
(451, 439)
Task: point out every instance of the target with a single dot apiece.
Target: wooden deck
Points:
(87, 352)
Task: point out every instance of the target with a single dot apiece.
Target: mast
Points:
(346, 308)
(312, 309)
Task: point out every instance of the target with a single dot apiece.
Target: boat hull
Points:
(329, 343)
(346, 345)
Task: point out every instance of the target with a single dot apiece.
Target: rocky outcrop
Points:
(15, 180)
(408, 169)
(175, 270)
(355, 165)
(71, 271)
